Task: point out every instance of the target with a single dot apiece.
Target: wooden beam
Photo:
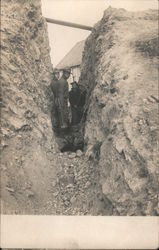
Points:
(73, 25)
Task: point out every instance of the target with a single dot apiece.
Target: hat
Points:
(55, 70)
(68, 70)
(74, 83)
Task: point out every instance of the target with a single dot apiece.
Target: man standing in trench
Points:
(74, 98)
(77, 97)
(63, 95)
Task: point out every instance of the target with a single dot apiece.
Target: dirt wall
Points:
(120, 71)
(28, 143)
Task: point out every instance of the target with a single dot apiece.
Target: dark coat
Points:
(77, 97)
(77, 101)
(74, 97)
(54, 87)
(63, 88)
(62, 99)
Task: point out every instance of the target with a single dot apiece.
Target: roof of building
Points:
(73, 57)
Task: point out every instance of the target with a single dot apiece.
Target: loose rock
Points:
(79, 153)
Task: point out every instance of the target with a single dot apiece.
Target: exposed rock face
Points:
(120, 71)
(28, 143)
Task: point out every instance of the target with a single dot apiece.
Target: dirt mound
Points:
(28, 143)
(120, 71)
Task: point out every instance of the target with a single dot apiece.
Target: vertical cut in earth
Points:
(120, 71)
(27, 142)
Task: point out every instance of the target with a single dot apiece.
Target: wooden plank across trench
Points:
(69, 24)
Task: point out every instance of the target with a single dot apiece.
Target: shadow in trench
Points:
(71, 138)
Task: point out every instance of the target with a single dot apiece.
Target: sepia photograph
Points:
(79, 109)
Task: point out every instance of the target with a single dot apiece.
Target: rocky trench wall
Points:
(119, 70)
(28, 143)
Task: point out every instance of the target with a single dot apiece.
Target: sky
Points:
(87, 12)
